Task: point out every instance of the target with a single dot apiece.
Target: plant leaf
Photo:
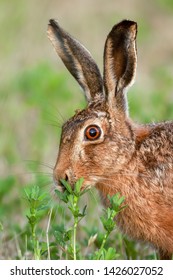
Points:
(66, 185)
(78, 186)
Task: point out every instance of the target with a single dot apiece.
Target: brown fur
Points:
(134, 160)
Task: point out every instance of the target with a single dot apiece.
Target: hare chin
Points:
(59, 188)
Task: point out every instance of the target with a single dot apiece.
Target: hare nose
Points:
(58, 176)
(60, 182)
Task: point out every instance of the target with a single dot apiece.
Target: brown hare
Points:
(105, 147)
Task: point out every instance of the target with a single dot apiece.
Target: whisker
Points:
(44, 184)
(113, 174)
(108, 185)
(39, 172)
(94, 195)
(56, 109)
(40, 163)
(57, 125)
(109, 182)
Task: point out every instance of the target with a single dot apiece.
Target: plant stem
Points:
(34, 243)
(75, 201)
(47, 234)
(74, 237)
(103, 244)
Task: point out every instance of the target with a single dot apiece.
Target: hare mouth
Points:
(58, 185)
(60, 188)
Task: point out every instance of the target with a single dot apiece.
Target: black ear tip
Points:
(53, 22)
(126, 25)
(127, 22)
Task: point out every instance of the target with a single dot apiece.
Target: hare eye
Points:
(92, 132)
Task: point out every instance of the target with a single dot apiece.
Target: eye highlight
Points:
(92, 132)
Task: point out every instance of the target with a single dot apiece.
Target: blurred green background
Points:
(37, 93)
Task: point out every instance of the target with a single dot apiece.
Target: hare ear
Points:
(120, 61)
(77, 60)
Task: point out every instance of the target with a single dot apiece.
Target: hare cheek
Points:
(77, 157)
(82, 155)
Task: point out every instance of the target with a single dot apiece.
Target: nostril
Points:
(66, 177)
(57, 178)
(58, 175)
(61, 184)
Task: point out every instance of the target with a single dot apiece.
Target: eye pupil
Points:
(92, 132)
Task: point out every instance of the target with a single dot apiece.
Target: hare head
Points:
(99, 137)
(102, 145)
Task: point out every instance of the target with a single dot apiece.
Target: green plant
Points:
(108, 222)
(72, 197)
(37, 202)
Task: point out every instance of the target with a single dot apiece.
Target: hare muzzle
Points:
(57, 177)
